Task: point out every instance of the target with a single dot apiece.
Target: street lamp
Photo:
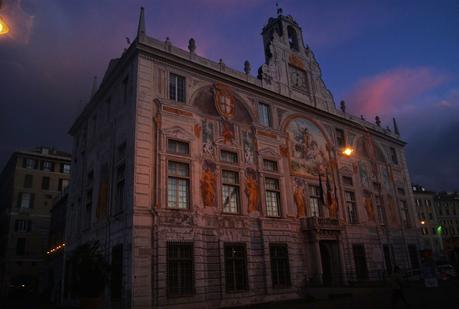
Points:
(4, 29)
(423, 222)
(348, 151)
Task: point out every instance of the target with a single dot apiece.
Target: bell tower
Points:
(290, 67)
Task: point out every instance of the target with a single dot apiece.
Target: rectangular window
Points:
(65, 168)
(380, 210)
(264, 114)
(28, 181)
(47, 166)
(116, 269)
(270, 166)
(120, 188)
(230, 191)
(280, 270)
(20, 246)
(228, 156)
(63, 183)
(404, 214)
(29, 163)
(177, 88)
(178, 185)
(235, 267)
(351, 207)
(360, 260)
(180, 269)
(314, 201)
(177, 147)
(340, 138)
(347, 181)
(45, 183)
(272, 197)
(26, 200)
(393, 155)
(22, 226)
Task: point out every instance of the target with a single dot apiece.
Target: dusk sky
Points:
(388, 58)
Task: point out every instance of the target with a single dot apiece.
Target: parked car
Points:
(446, 271)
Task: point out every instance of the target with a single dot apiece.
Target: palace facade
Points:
(207, 186)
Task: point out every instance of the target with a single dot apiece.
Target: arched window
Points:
(292, 38)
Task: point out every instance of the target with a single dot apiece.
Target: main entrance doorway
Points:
(331, 264)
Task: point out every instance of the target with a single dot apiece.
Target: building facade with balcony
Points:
(208, 186)
(28, 184)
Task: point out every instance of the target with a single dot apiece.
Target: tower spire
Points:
(141, 27)
(396, 127)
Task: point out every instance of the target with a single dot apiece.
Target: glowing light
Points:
(57, 248)
(439, 230)
(23, 285)
(423, 222)
(348, 151)
(4, 29)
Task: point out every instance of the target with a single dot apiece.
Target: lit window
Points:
(29, 163)
(47, 166)
(177, 88)
(270, 166)
(65, 168)
(228, 156)
(26, 200)
(230, 191)
(178, 185)
(272, 197)
(264, 114)
(178, 147)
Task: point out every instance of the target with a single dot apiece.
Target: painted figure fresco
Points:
(368, 205)
(208, 183)
(364, 176)
(331, 199)
(298, 196)
(228, 132)
(251, 189)
(208, 145)
(248, 140)
(392, 210)
(308, 154)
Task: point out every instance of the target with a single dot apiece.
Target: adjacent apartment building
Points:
(206, 186)
(28, 184)
(447, 211)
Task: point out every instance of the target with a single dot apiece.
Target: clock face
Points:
(298, 78)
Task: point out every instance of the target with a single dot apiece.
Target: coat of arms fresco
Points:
(224, 101)
(308, 151)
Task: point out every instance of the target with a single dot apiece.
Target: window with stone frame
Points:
(351, 207)
(29, 163)
(22, 226)
(404, 214)
(180, 273)
(178, 147)
(340, 138)
(65, 168)
(178, 185)
(314, 201)
(272, 194)
(230, 191)
(47, 166)
(45, 183)
(264, 114)
(270, 165)
(380, 209)
(228, 156)
(177, 86)
(28, 181)
(235, 267)
(120, 197)
(25, 200)
(280, 269)
(347, 181)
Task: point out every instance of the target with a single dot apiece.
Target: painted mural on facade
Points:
(308, 152)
